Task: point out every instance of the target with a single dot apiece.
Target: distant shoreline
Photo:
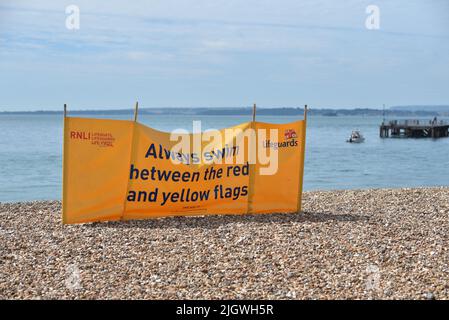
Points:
(440, 111)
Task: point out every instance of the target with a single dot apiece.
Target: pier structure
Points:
(414, 129)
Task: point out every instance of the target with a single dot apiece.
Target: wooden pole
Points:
(301, 161)
(254, 112)
(64, 167)
(252, 166)
(135, 111)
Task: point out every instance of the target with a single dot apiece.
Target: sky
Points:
(223, 53)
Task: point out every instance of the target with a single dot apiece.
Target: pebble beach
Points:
(352, 244)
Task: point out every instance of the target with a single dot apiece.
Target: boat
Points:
(356, 137)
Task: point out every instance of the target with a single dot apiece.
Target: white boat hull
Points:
(359, 140)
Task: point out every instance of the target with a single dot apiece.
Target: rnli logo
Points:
(290, 134)
(101, 139)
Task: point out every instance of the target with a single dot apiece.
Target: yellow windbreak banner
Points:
(120, 170)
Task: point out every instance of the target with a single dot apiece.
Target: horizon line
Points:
(389, 108)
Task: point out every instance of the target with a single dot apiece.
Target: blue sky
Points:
(223, 53)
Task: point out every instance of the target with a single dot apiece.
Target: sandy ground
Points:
(365, 244)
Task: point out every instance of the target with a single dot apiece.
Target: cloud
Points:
(227, 43)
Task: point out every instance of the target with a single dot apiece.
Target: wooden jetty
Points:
(414, 129)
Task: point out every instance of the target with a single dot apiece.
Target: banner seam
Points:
(131, 160)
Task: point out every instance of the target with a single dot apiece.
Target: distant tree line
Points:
(247, 111)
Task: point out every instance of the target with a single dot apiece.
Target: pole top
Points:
(135, 111)
(65, 110)
(254, 112)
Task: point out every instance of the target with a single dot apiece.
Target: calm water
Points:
(31, 154)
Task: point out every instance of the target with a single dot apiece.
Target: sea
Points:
(31, 153)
